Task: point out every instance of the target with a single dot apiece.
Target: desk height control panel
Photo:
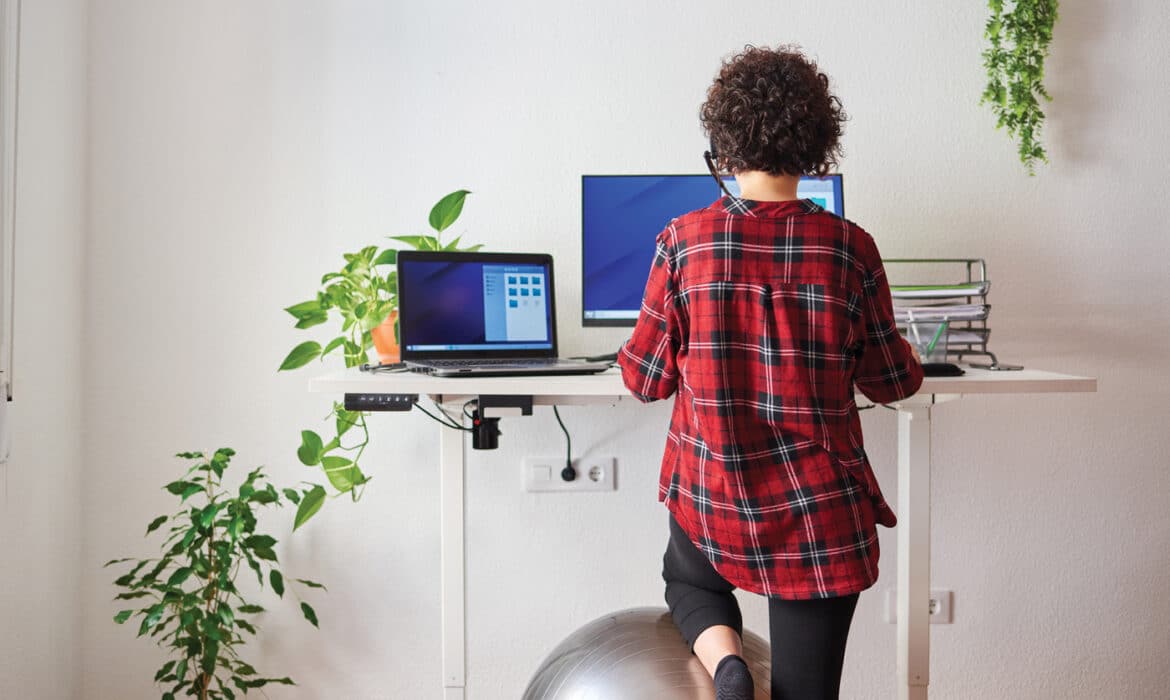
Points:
(380, 402)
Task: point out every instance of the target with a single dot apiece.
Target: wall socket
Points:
(941, 606)
(543, 474)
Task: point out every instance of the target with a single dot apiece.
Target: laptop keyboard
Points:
(455, 364)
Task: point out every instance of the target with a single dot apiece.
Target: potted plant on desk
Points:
(363, 297)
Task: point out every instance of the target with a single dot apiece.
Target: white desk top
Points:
(609, 384)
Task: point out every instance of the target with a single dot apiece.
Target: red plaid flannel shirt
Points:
(763, 316)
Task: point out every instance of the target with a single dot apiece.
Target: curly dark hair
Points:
(771, 110)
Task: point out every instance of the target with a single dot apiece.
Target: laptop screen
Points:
(475, 305)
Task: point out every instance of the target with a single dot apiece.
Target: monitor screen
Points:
(622, 214)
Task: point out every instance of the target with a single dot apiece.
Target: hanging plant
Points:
(1019, 32)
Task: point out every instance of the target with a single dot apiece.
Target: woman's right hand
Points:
(914, 352)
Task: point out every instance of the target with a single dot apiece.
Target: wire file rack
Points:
(960, 300)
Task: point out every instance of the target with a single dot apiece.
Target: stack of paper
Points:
(939, 291)
(954, 312)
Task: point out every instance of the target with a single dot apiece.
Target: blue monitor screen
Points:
(621, 215)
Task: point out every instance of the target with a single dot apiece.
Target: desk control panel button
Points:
(380, 402)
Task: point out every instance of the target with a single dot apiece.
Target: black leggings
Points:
(808, 636)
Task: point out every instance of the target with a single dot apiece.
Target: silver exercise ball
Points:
(636, 654)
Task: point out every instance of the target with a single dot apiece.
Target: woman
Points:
(763, 312)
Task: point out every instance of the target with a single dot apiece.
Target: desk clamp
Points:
(485, 419)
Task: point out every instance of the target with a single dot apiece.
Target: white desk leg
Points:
(913, 552)
(451, 470)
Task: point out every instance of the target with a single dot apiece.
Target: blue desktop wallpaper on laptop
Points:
(446, 303)
(454, 306)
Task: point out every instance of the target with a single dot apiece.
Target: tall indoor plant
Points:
(363, 298)
(189, 599)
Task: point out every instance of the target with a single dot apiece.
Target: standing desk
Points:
(913, 505)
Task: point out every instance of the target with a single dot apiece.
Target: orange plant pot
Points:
(385, 340)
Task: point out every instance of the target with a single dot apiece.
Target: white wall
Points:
(40, 488)
(237, 149)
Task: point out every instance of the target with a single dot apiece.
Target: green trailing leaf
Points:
(346, 420)
(386, 257)
(154, 524)
(292, 495)
(250, 609)
(301, 355)
(310, 614)
(311, 584)
(153, 615)
(188, 539)
(333, 345)
(178, 487)
(353, 354)
(447, 210)
(225, 614)
(123, 616)
(310, 504)
(265, 497)
(254, 566)
(179, 577)
(260, 541)
(277, 581)
(207, 516)
(166, 668)
(133, 595)
(210, 655)
(235, 528)
(305, 308)
(341, 472)
(310, 450)
(419, 242)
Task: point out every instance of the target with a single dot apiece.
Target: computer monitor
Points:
(622, 214)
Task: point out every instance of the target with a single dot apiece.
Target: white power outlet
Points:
(541, 474)
(941, 604)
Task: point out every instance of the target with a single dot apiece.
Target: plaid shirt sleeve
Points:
(886, 370)
(647, 359)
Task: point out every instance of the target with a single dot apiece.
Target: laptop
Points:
(480, 315)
